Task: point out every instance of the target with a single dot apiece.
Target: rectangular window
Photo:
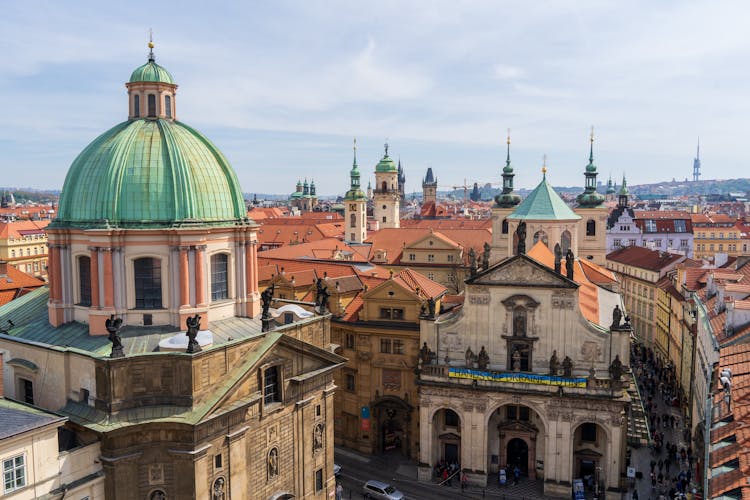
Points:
(151, 106)
(450, 258)
(679, 226)
(398, 346)
(618, 242)
(631, 242)
(412, 257)
(431, 276)
(271, 392)
(27, 391)
(147, 273)
(385, 313)
(430, 257)
(385, 346)
(397, 314)
(650, 226)
(168, 106)
(217, 461)
(318, 480)
(349, 341)
(219, 281)
(351, 384)
(14, 473)
(657, 243)
(84, 281)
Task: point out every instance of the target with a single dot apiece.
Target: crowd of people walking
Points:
(671, 455)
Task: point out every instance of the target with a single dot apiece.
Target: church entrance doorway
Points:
(518, 455)
(393, 416)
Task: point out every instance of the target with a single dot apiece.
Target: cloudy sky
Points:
(283, 87)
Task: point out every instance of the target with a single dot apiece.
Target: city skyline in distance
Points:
(284, 87)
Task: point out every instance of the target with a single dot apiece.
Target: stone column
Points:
(249, 266)
(424, 471)
(109, 295)
(54, 275)
(200, 278)
(184, 278)
(94, 277)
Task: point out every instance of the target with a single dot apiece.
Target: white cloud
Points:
(505, 72)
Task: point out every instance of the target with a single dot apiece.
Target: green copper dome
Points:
(386, 165)
(151, 72)
(150, 173)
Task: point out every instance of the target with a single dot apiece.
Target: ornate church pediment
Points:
(520, 271)
(517, 426)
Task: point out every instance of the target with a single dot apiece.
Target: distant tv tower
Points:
(697, 163)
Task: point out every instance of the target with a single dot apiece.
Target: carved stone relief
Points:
(481, 300)
(563, 301)
(591, 351)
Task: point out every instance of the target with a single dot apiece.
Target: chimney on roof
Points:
(3, 268)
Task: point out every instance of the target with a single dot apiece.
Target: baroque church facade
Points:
(151, 239)
(532, 371)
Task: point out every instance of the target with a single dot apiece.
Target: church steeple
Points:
(507, 198)
(590, 198)
(622, 197)
(355, 207)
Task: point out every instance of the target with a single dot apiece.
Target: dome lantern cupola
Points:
(590, 198)
(151, 91)
(507, 198)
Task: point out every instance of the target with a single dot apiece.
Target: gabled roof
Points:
(393, 240)
(644, 258)
(18, 418)
(15, 283)
(323, 249)
(21, 228)
(543, 203)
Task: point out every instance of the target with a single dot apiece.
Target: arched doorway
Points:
(517, 455)
(446, 425)
(516, 437)
(393, 419)
(590, 444)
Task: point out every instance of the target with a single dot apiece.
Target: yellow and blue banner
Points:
(524, 378)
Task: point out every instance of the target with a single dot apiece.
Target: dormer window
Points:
(136, 106)
(151, 106)
(168, 106)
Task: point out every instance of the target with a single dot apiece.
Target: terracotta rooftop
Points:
(324, 249)
(392, 241)
(644, 258)
(447, 224)
(14, 283)
(21, 228)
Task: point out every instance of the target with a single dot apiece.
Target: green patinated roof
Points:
(354, 195)
(386, 164)
(150, 173)
(151, 72)
(543, 203)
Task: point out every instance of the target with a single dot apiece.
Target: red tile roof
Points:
(392, 241)
(21, 228)
(644, 258)
(14, 283)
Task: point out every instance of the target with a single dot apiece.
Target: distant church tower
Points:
(386, 199)
(401, 182)
(429, 188)
(592, 238)
(697, 164)
(355, 207)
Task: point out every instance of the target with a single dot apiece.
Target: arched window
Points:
(273, 463)
(505, 226)
(591, 227)
(84, 281)
(451, 418)
(151, 105)
(157, 495)
(565, 241)
(168, 106)
(147, 274)
(519, 321)
(540, 236)
(136, 105)
(384, 187)
(353, 220)
(219, 274)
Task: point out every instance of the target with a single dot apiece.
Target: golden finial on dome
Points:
(591, 138)
(544, 166)
(508, 141)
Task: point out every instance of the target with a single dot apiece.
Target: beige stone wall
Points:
(60, 375)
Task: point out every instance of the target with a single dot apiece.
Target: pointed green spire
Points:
(354, 193)
(590, 198)
(507, 198)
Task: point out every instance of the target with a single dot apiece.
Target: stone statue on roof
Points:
(486, 257)
(521, 235)
(265, 298)
(472, 263)
(193, 324)
(113, 328)
(558, 258)
(322, 295)
(615, 369)
(483, 359)
(616, 317)
(554, 364)
(567, 367)
(569, 263)
(470, 358)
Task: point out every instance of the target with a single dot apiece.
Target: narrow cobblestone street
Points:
(666, 468)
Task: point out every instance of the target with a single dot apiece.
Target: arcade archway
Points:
(515, 435)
